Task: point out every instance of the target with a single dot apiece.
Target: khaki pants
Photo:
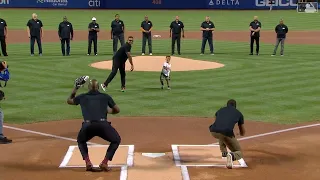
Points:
(230, 142)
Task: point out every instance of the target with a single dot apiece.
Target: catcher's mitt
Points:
(1, 95)
(80, 81)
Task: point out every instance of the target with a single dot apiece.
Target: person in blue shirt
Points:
(4, 76)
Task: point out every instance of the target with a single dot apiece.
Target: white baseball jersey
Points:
(166, 71)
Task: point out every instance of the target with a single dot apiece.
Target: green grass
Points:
(274, 89)
(224, 20)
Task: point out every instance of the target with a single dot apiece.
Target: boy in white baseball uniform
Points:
(165, 73)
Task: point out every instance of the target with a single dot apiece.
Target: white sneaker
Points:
(229, 161)
(150, 54)
(88, 54)
(212, 53)
(282, 55)
(142, 54)
(272, 54)
(201, 54)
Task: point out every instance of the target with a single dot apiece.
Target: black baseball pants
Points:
(175, 37)
(146, 37)
(116, 64)
(94, 40)
(204, 42)
(102, 129)
(32, 41)
(116, 38)
(3, 45)
(64, 42)
(257, 39)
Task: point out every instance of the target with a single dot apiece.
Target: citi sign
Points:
(283, 3)
(4, 1)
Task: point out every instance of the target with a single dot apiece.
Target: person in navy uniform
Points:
(281, 30)
(65, 32)
(95, 106)
(176, 27)
(255, 27)
(35, 32)
(117, 32)
(146, 27)
(119, 62)
(93, 28)
(207, 28)
(3, 36)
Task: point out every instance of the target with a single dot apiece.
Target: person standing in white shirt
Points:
(165, 73)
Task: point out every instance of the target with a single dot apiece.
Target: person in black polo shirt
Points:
(3, 36)
(255, 27)
(119, 62)
(95, 106)
(117, 32)
(93, 28)
(207, 28)
(222, 129)
(176, 27)
(281, 29)
(65, 33)
(35, 32)
(146, 27)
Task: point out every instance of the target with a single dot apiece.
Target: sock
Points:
(87, 160)
(105, 160)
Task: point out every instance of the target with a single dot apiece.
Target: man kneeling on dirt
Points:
(222, 129)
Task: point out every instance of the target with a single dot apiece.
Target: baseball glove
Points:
(1, 95)
(80, 81)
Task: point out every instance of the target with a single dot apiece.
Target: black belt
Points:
(89, 121)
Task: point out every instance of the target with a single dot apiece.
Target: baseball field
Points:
(279, 97)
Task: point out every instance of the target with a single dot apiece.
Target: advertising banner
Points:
(86, 4)
(250, 4)
(151, 4)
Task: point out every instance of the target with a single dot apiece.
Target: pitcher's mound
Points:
(154, 63)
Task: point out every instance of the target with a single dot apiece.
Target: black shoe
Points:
(224, 154)
(251, 54)
(6, 55)
(179, 53)
(5, 140)
(257, 54)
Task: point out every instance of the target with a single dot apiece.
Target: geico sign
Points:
(261, 3)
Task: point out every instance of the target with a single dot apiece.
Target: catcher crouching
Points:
(165, 73)
(95, 106)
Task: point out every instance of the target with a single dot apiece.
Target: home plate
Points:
(153, 155)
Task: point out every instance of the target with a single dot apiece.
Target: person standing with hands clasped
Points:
(117, 32)
(207, 28)
(255, 27)
(3, 36)
(281, 29)
(176, 27)
(146, 27)
(93, 36)
(222, 130)
(65, 33)
(35, 32)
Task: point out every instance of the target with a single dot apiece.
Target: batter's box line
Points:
(177, 158)
(69, 154)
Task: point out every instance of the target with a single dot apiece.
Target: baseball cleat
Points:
(169, 88)
(282, 55)
(224, 154)
(123, 89)
(201, 54)
(104, 87)
(5, 140)
(229, 161)
(104, 167)
(161, 87)
(142, 54)
(272, 54)
(150, 54)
